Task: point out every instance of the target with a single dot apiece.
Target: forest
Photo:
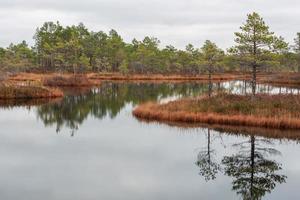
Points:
(76, 49)
(149, 99)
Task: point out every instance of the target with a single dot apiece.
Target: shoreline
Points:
(55, 81)
(284, 79)
(289, 134)
(15, 92)
(175, 112)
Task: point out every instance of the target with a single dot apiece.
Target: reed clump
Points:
(78, 80)
(28, 92)
(269, 111)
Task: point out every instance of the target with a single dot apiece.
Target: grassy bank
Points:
(161, 77)
(68, 81)
(89, 79)
(282, 79)
(28, 92)
(98, 77)
(269, 111)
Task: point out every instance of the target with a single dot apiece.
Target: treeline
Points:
(76, 49)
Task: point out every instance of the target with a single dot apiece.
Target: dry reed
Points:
(160, 77)
(68, 81)
(28, 92)
(228, 110)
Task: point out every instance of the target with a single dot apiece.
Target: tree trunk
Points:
(254, 65)
(208, 145)
(74, 69)
(209, 83)
(91, 63)
(252, 164)
(254, 79)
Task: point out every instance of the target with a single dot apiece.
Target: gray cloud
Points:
(174, 22)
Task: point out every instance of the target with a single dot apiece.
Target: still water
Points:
(89, 146)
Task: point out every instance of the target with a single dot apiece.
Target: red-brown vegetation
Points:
(161, 77)
(275, 111)
(95, 78)
(28, 92)
(68, 81)
(283, 79)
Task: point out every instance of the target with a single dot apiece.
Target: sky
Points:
(175, 22)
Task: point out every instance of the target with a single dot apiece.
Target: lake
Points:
(89, 146)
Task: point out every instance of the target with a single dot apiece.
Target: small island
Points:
(268, 111)
(28, 92)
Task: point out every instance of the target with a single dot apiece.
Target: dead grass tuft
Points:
(28, 92)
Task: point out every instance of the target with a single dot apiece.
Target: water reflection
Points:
(109, 100)
(252, 166)
(146, 161)
(245, 87)
(27, 103)
(209, 167)
(253, 173)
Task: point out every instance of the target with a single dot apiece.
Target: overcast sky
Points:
(176, 22)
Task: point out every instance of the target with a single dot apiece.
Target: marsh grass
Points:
(283, 78)
(28, 92)
(269, 111)
(161, 77)
(78, 80)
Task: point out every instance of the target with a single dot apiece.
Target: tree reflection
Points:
(253, 174)
(108, 100)
(206, 162)
(70, 113)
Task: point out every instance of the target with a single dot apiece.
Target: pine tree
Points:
(255, 42)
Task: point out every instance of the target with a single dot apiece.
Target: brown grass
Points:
(276, 111)
(96, 78)
(28, 92)
(68, 81)
(26, 77)
(274, 78)
(282, 79)
(160, 77)
(22, 77)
